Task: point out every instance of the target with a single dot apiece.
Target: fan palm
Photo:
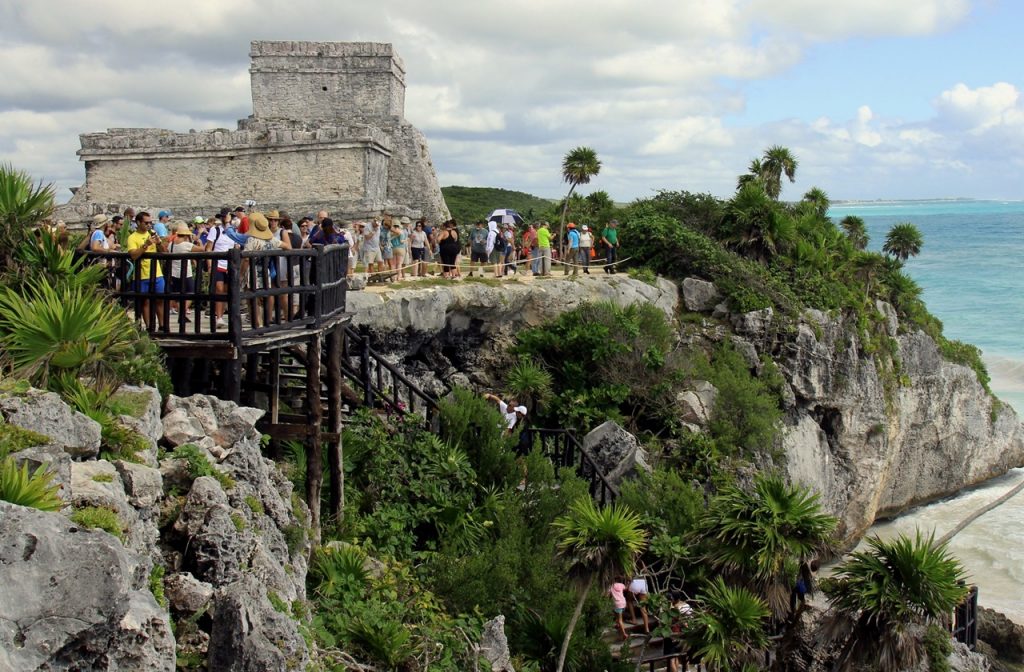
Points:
(763, 536)
(868, 266)
(903, 241)
(752, 176)
(47, 333)
(22, 206)
(776, 162)
(756, 226)
(530, 382)
(880, 599)
(598, 543)
(856, 231)
(817, 200)
(579, 166)
(727, 631)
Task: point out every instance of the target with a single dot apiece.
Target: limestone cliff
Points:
(872, 442)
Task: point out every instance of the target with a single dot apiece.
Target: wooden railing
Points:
(381, 383)
(563, 448)
(309, 287)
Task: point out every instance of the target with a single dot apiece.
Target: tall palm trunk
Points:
(572, 623)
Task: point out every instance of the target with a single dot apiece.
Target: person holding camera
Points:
(149, 277)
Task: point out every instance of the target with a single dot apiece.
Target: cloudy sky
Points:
(877, 98)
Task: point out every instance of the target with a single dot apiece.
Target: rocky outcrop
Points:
(494, 645)
(1002, 636)
(75, 599)
(231, 549)
(618, 453)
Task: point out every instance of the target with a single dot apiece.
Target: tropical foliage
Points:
(35, 489)
(881, 599)
(579, 166)
(727, 632)
(903, 241)
(23, 205)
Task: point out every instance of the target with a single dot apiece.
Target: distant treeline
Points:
(468, 204)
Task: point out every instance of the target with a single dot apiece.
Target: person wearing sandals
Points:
(638, 592)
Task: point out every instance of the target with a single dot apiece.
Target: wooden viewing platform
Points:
(299, 316)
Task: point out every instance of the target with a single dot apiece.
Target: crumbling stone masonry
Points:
(327, 131)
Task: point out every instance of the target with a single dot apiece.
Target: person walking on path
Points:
(478, 248)
(638, 593)
(586, 245)
(544, 245)
(618, 593)
(530, 247)
(610, 237)
(495, 247)
(513, 413)
(574, 250)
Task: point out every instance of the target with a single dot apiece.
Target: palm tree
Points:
(868, 266)
(598, 543)
(880, 600)
(903, 241)
(578, 167)
(530, 382)
(22, 206)
(776, 162)
(817, 200)
(755, 225)
(727, 632)
(763, 536)
(856, 231)
(753, 175)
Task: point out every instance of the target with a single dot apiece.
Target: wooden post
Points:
(274, 399)
(233, 368)
(314, 450)
(334, 455)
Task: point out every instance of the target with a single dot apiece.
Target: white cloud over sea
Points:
(673, 95)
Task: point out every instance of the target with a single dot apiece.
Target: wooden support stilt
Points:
(275, 400)
(314, 450)
(252, 365)
(334, 452)
(233, 380)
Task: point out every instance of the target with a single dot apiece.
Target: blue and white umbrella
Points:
(506, 216)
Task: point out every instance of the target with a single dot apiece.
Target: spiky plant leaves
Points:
(761, 536)
(46, 262)
(47, 332)
(727, 630)
(530, 382)
(23, 204)
(36, 490)
(882, 598)
(903, 241)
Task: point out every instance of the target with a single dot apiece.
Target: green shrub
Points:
(14, 439)
(967, 355)
(144, 366)
(156, 585)
(470, 421)
(99, 518)
(295, 538)
(36, 490)
(103, 478)
(198, 465)
(238, 521)
(938, 645)
(254, 504)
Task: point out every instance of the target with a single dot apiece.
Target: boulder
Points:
(180, 428)
(617, 452)
(699, 295)
(962, 659)
(186, 594)
(249, 635)
(697, 403)
(47, 414)
(494, 645)
(755, 323)
(224, 421)
(97, 483)
(148, 421)
(75, 599)
(1002, 634)
(217, 551)
(143, 485)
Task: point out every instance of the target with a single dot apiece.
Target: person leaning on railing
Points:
(149, 278)
(262, 238)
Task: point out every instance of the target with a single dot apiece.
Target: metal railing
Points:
(965, 619)
(277, 289)
(563, 448)
(373, 376)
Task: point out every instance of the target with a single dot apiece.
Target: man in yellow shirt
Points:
(544, 245)
(149, 277)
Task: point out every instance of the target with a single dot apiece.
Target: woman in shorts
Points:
(618, 593)
(638, 591)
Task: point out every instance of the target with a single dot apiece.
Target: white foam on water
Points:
(991, 548)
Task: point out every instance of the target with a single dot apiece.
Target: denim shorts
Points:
(144, 285)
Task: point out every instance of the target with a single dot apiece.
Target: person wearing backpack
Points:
(478, 248)
(217, 240)
(574, 250)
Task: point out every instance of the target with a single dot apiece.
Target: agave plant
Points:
(338, 572)
(22, 206)
(36, 490)
(48, 332)
(881, 599)
(48, 263)
(530, 382)
(386, 641)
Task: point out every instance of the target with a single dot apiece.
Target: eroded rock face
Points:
(47, 414)
(700, 295)
(617, 452)
(494, 645)
(75, 599)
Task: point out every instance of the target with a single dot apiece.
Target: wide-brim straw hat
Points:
(181, 229)
(259, 227)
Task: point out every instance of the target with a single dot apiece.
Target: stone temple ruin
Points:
(328, 131)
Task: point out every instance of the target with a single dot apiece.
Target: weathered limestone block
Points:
(186, 594)
(494, 645)
(697, 403)
(47, 414)
(617, 452)
(143, 485)
(75, 599)
(224, 421)
(700, 295)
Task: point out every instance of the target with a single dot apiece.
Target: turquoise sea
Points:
(971, 268)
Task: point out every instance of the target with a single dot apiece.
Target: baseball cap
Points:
(163, 213)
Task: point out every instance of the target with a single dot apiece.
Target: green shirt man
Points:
(543, 238)
(610, 237)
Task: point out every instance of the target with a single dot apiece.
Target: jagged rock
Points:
(700, 295)
(749, 354)
(617, 452)
(47, 414)
(249, 635)
(97, 483)
(223, 421)
(964, 660)
(494, 645)
(696, 404)
(143, 485)
(720, 311)
(180, 428)
(755, 323)
(217, 551)
(148, 422)
(75, 599)
(148, 455)
(58, 463)
(892, 320)
(186, 594)
(1002, 634)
